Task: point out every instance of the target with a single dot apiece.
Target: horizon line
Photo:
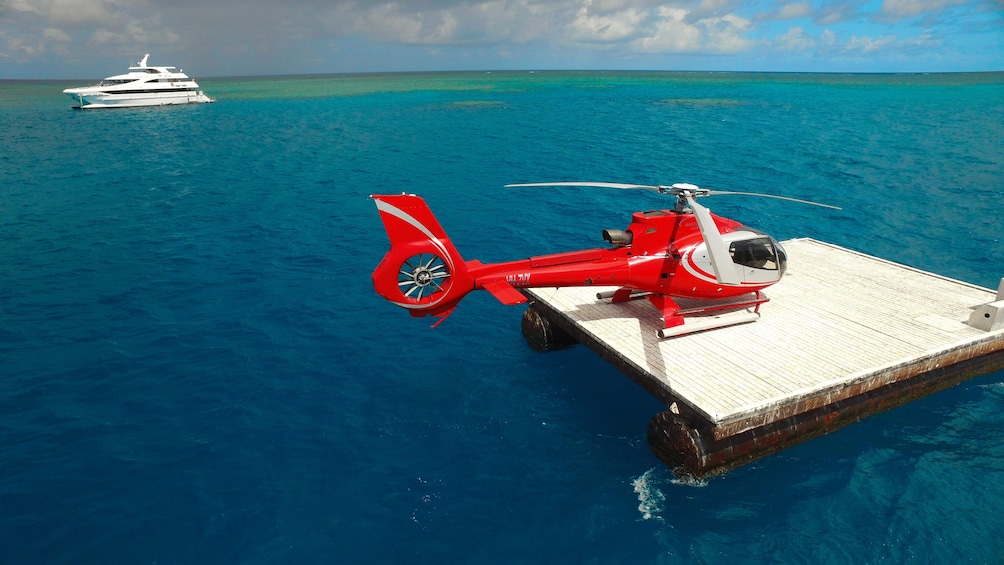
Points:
(556, 70)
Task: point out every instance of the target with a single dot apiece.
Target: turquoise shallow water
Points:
(194, 367)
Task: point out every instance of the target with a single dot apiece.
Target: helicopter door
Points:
(758, 257)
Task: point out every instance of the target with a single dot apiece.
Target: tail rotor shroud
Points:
(422, 271)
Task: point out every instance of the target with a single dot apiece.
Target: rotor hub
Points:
(422, 276)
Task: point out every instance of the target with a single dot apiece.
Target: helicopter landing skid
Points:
(622, 295)
(709, 323)
(681, 321)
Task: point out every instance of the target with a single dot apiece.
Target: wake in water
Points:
(651, 498)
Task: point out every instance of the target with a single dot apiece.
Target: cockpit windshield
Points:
(758, 253)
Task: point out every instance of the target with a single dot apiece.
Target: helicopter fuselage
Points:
(661, 251)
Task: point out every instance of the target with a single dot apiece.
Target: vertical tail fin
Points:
(422, 271)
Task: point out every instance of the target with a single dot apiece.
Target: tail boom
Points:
(424, 273)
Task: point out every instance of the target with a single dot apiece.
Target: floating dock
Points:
(844, 335)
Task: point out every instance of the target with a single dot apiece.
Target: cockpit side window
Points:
(757, 253)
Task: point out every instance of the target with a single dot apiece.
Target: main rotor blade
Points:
(726, 271)
(675, 190)
(588, 183)
(762, 195)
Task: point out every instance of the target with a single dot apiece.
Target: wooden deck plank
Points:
(838, 318)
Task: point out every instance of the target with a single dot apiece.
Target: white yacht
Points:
(143, 85)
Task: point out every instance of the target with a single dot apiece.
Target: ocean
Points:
(194, 367)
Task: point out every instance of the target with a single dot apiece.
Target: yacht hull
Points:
(96, 100)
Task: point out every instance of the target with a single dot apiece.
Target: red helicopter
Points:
(686, 252)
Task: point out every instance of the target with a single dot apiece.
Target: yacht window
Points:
(757, 253)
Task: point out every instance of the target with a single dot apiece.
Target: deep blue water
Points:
(194, 367)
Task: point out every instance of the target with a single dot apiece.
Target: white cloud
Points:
(333, 35)
(786, 11)
(828, 38)
(795, 10)
(926, 40)
(645, 26)
(670, 34)
(726, 34)
(911, 8)
(74, 13)
(141, 32)
(712, 9)
(15, 48)
(464, 23)
(882, 46)
(836, 12)
(597, 26)
(795, 40)
(865, 45)
(675, 30)
(388, 22)
(54, 34)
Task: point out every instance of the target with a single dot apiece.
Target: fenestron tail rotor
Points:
(422, 276)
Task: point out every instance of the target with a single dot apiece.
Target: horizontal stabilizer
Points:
(505, 293)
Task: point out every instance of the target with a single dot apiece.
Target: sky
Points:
(62, 39)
